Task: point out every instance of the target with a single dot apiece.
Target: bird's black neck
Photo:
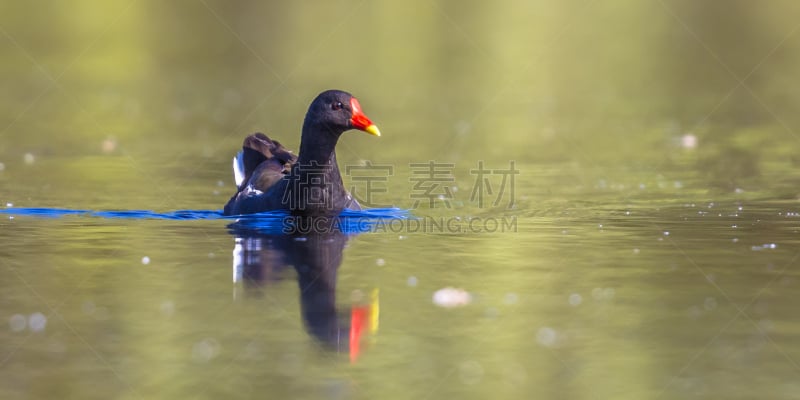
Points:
(317, 177)
(318, 145)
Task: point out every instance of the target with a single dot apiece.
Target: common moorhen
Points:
(270, 177)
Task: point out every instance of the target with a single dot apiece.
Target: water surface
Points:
(649, 248)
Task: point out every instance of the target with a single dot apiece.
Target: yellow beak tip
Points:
(372, 130)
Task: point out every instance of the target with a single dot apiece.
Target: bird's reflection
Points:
(259, 258)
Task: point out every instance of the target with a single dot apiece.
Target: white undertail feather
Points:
(238, 168)
(249, 190)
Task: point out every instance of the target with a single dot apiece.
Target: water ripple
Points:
(267, 222)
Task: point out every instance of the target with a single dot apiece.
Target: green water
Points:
(651, 250)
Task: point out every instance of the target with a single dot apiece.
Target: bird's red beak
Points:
(360, 121)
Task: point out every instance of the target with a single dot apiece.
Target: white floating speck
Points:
(380, 262)
(167, 308)
(108, 145)
(412, 281)
(29, 158)
(689, 141)
(17, 323)
(636, 251)
(470, 372)
(220, 183)
(734, 240)
(356, 296)
(694, 312)
(56, 346)
(603, 293)
(765, 324)
(666, 233)
(88, 307)
(145, 260)
(231, 97)
(462, 127)
(9, 204)
(710, 303)
(37, 321)
(575, 299)
(546, 336)
(253, 351)
(450, 297)
(102, 314)
(205, 350)
(511, 298)
(766, 246)
(401, 237)
(515, 374)
(2, 166)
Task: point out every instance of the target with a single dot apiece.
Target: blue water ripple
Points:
(349, 220)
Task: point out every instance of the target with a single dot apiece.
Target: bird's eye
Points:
(336, 106)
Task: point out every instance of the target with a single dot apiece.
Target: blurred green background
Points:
(172, 87)
(657, 144)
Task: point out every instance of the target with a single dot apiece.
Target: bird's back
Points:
(258, 167)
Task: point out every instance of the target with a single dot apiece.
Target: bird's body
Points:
(270, 177)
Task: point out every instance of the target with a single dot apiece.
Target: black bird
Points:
(270, 177)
